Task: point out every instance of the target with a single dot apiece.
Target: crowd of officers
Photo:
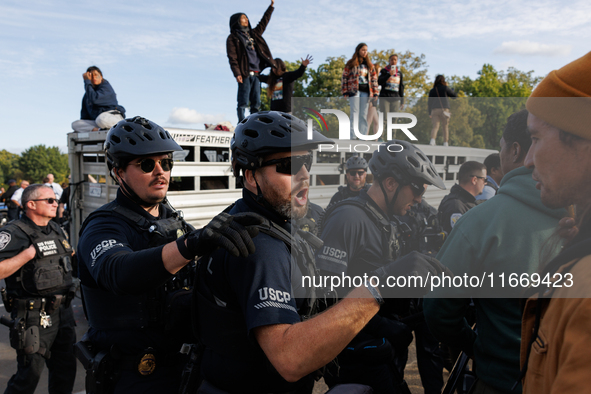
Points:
(223, 309)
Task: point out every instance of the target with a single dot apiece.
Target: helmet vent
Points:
(286, 116)
(162, 135)
(127, 128)
(295, 126)
(131, 141)
(251, 133)
(147, 126)
(413, 161)
(167, 135)
(147, 136)
(265, 119)
(421, 156)
(277, 134)
(115, 139)
(285, 128)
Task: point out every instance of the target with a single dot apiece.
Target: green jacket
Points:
(504, 234)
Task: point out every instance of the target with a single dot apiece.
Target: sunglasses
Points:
(479, 177)
(290, 165)
(353, 173)
(148, 165)
(50, 200)
(417, 189)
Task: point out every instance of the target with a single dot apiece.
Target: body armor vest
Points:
(106, 310)
(395, 234)
(50, 272)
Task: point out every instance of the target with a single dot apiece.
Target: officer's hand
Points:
(233, 233)
(413, 264)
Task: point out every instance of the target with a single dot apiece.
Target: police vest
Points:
(106, 310)
(230, 341)
(50, 272)
(395, 234)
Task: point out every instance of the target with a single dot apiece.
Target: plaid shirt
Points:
(350, 82)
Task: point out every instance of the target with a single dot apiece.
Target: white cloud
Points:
(529, 48)
(190, 116)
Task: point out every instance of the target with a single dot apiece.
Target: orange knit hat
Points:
(563, 98)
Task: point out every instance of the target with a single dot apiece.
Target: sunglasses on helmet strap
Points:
(290, 165)
(148, 165)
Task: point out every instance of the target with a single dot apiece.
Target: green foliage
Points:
(325, 81)
(8, 168)
(39, 160)
(414, 70)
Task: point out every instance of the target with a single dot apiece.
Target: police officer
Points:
(35, 260)
(362, 234)
(255, 317)
(356, 173)
(134, 269)
(462, 196)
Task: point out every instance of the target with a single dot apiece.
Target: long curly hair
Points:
(272, 80)
(356, 60)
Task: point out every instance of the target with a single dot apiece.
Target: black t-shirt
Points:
(283, 91)
(345, 192)
(364, 77)
(265, 289)
(13, 240)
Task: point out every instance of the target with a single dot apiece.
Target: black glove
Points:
(413, 264)
(396, 332)
(233, 233)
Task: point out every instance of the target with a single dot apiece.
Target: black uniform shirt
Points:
(265, 288)
(13, 240)
(344, 193)
(454, 205)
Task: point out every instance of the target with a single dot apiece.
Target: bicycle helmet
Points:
(264, 133)
(405, 162)
(356, 163)
(135, 137)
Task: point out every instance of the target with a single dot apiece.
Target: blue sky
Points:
(167, 60)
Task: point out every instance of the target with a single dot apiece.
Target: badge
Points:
(454, 218)
(179, 233)
(4, 239)
(66, 244)
(147, 364)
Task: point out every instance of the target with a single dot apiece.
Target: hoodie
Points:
(236, 45)
(504, 234)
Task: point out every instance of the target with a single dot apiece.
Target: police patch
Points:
(66, 244)
(454, 218)
(4, 239)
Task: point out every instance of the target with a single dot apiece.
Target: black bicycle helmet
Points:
(405, 162)
(135, 137)
(264, 133)
(356, 163)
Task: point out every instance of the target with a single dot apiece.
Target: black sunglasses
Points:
(417, 189)
(148, 165)
(290, 165)
(49, 200)
(353, 172)
(479, 177)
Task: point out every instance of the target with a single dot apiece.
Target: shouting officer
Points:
(35, 260)
(356, 172)
(366, 235)
(134, 267)
(255, 315)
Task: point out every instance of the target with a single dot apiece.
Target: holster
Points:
(101, 372)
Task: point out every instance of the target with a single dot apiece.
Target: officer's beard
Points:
(285, 206)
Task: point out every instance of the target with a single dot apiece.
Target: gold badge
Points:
(179, 233)
(66, 244)
(147, 364)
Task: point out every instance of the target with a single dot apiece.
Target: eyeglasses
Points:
(49, 200)
(290, 165)
(479, 177)
(148, 165)
(353, 173)
(417, 189)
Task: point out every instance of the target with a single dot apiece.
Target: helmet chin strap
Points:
(262, 200)
(389, 203)
(129, 193)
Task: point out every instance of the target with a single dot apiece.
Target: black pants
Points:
(429, 359)
(59, 339)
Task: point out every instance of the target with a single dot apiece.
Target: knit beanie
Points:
(563, 98)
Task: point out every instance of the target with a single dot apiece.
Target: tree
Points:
(414, 70)
(325, 81)
(8, 166)
(39, 160)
